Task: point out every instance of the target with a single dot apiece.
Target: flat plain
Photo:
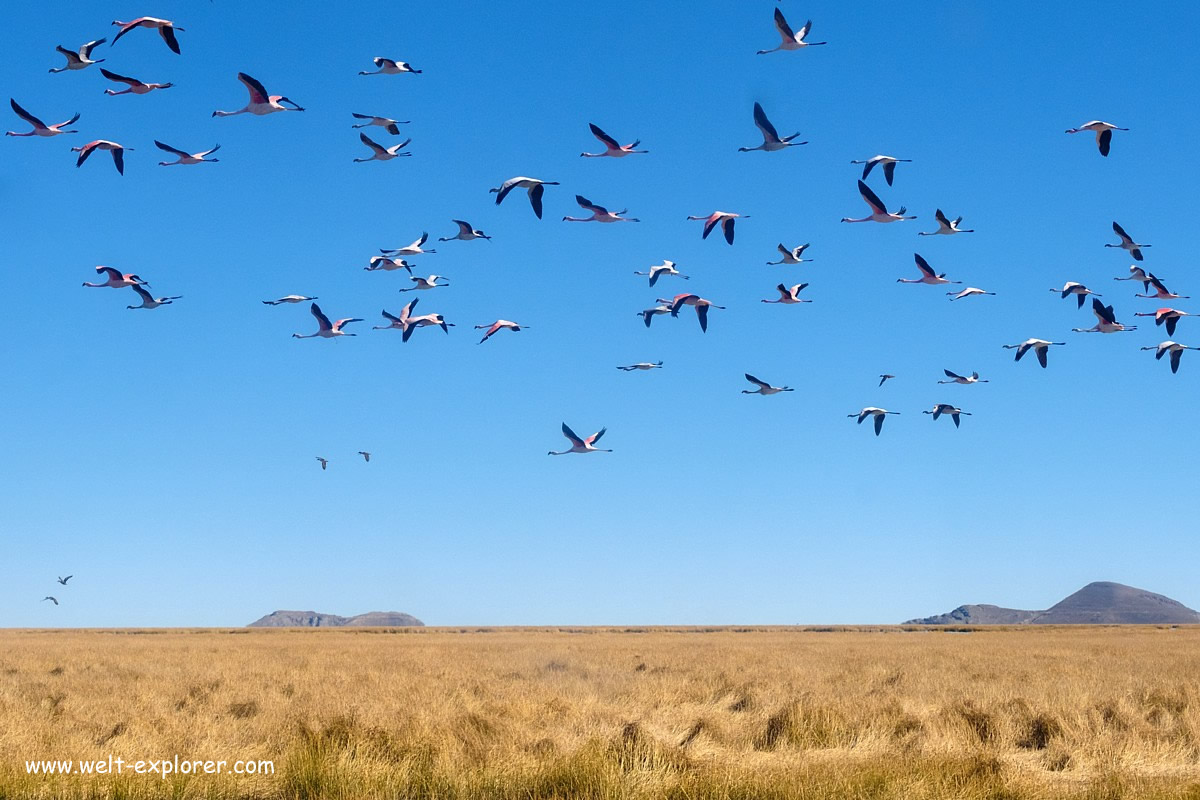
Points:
(798, 713)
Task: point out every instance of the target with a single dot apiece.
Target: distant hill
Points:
(1100, 603)
(313, 619)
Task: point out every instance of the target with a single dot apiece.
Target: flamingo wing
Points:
(322, 320)
(870, 198)
(702, 315)
(1119, 231)
(258, 94)
(168, 34)
(371, 143)
(571, 436)
(535, 198)
(604, 138)
(923, 265)
(785, 30)
(25, 115)
(86, 50)
(757, 382)
(727, 226)
(112, 76)
(889, 171)
(170, 149)
(595, 437)
(588, 205)
(764, 125)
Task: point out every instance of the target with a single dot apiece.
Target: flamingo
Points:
(535, 187)
(116, 280)
(611, 148)
(148, 301)
(967, 292)
(366, 456)
(411, 323)
(725, 218)
(928, 276)
(187, 158)
(52, 599)
(580, 445)
(381, 153)
(63, 580)
(1174, 348)
(166, 29)
(1136, 273)
(771, 139)
(1103, 131)
(1127, 242)
(135, 86)
(965, 380)
(260, 103)
(324, 462)
(40, 128)
(326, 329)
(764, 388)
(651, 313)
(644, 365)
(792, 256)
(1160, 291)
(1073, 288)
(387, 264)
(466, 232)
(427, 283)
(659, 270)
(699, 303)
(789, 296)
(889, 166)
(878, 413)
(790, 40)
(388, 66)
(413, 249)
(946, 227)
(946, 408)
(885, 378)
(81, 58)
(1039, 346)
(599, 213)
(500, 324)
(390, 125)
(1106, 321)
(289, 298)
(1168, 316)
(879, 212)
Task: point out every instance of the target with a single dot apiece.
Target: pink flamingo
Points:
(116, 280)
(789, 296)
(326, 329)
(117, 150)
(726, 220)
(40, 128)
(579, 445)
(496, 326)
(260, 102)
(611, 148)
(599, 213)
(166, 29)
(135, 86)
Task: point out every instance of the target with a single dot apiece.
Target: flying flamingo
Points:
(63, 580)
(791, 40)
(771, 139)
(946, 227)
(388, 124)
(611, 148)
(1168, 316)
(928, 276)
(967, 292)
(650, 313)
(885, 378)
(149, 301)
(135, 86)
(889, 167)
(951, 411)
(1136, 273)
(871, 411)
(659, 270)
(1072, 288)
(427, 283)
(879, 212)
(166, 29)
(260, 102)
(580, 445)
(792, 256)
(387, 264)
(1174, 348)
(116, 280)
(1103, 131)
(1127, 242)
(1106, 321)
(726, 220)
(288, 298)
(187, 158)
(500, 324)
(764, 388)
(414, 249)
(411, 323)
(466, 232)
(1160, 291)
(381, 153)
(965, 380)
(1039, 346)
(599, 213)
(81, 58)
(326, 329)
(40, 128)
(789, 296)
(699, 303)
(644, 365)
(535, 187)
(388, 66)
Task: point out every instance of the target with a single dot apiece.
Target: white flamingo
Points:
(387, 264)
(388, 66)
(949, 410)
(793, 256)
(149, 301)
(288, 298)
(643, 366)
(1106, 321)
(466, 232)
(387, 123)
(650, 313)
(772, 141)
(790, 40)
(381, 153)
(325, 328)
(1074, 288)
(1038, 346)
(1103, 131)
(970, 291)
(696, 301)
(1127, 242)
(889, 166)
(431, 282)
(789, 296)
(416, 248)
(764, 388)
(535, 187)
(81, 58)
(1174, 348)
(878, 413)
(965, 380)
(946, 227)
(879, 212)
(667, 268)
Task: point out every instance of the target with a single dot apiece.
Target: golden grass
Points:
(787, 714)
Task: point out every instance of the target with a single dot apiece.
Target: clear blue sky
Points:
(166, 457)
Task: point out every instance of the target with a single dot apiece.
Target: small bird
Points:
(466, 232)
(1039, 346)
(1174, 348)
(289, 298)
(699, 303)
(771, 139)
(946, 227)
(1073, 288)
(659, 270)
(366, 456)
(187, 158)
(966, 380)
(52, 599)
(885, 378)
(389, 67)
(387, 264)
(152, 302)
(40, 128)
(63, 580)
(644, 365)
(324, 462)
(381, 153)
(166, 29)
(534, 186)
(792, 256)
(498, 325)
(967, 292)
(413, 249)
(651, 313)
(1167, 316)
(81, 58)
(116, 280)
(1103, 131)
(879, 212)
(889, 167)
(135, 86)
(1136, 273)
(611, 148)
(260, 103)
(946, 408)
(325, 328)
(427, 283)
(1127, 242)
(579, 445)
(790, 40)
(1161, 292)
(764, 388)
(388, 124)
(1106, 321)
(878, 413)
(928, 276)
(599, 213)
(726, 220)
(118, 153)
(789, 296)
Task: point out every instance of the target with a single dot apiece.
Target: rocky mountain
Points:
(1100, 603)
(314, 619)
